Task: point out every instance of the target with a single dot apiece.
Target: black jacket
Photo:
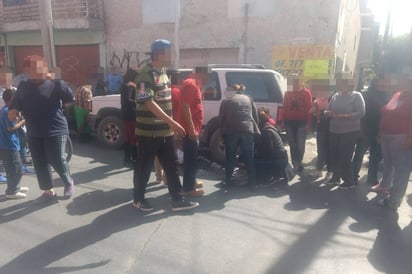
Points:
(269, 145)
(127, 102)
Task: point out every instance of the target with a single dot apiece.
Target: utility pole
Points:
(245, 34)
(388, 25)
(177, 35)
(47, 34)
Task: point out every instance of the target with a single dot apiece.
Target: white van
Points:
(266, 87)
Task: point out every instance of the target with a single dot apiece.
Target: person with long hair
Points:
(128, 114)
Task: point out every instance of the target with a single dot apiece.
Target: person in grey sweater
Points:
(345, 110)
(238, 123)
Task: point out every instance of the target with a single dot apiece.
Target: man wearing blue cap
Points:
(155, 129)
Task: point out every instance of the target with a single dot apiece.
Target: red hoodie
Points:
(297, 104)
(190, 94)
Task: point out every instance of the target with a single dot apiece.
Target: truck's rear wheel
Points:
(110, 132)
(217, 147)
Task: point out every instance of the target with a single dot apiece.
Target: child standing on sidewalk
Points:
(10, 150)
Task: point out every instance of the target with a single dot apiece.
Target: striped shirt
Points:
(152, 85)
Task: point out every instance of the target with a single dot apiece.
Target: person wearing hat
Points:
(155, 129)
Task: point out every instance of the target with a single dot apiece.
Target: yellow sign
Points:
(308, 61)
(314, 68)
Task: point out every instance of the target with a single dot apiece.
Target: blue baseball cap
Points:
(160, 45)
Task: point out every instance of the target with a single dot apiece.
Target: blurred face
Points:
(37, 70)
(344, 85)
(165, 58)
(293, 84)
(405, 84)
(385, 83)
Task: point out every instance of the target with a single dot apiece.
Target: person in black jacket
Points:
(128, 113)
(271, 157)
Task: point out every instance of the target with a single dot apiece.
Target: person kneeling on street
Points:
(271, 157)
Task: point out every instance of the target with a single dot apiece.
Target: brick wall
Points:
(21, 12)
(28, 10)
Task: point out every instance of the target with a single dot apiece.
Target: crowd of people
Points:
(160, 110)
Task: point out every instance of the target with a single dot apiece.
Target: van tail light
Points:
(279, 115)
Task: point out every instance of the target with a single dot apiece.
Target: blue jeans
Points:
(375, 156)
(23, 142)
(397, 166)
(296, 134)
(246, 142)
(268, 168)
(13, 166)
(164, 149)
(49, 151)
(190, 151)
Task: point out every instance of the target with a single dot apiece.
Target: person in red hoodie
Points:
(191, 117)
(297, 119)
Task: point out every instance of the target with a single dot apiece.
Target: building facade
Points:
(232, 31)
(314, 35)
(78, 32)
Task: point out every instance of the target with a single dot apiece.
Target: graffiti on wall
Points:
(125, 60)
(70, 68)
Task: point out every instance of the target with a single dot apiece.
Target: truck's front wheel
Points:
(110, 132)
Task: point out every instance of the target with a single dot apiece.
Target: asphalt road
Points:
(306, 227)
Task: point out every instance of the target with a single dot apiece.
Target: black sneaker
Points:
(143, 206)
(390, 205)
(225, 186)
(333, 181)
(183, 205)
(346, 185)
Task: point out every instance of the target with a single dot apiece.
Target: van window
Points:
(261, 86)
(211, 90)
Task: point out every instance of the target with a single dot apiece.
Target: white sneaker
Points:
(17, 195)
(316, 173)
(24, 189)
(328, 176)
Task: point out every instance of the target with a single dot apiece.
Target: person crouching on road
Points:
(271, 157)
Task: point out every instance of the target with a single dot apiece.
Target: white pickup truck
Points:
(265, 86)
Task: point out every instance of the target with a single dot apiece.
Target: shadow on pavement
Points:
(392, 249)
(20, 210)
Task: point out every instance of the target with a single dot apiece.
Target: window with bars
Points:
(8, 3)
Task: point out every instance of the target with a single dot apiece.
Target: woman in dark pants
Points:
(40, 100)
(345, 110)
